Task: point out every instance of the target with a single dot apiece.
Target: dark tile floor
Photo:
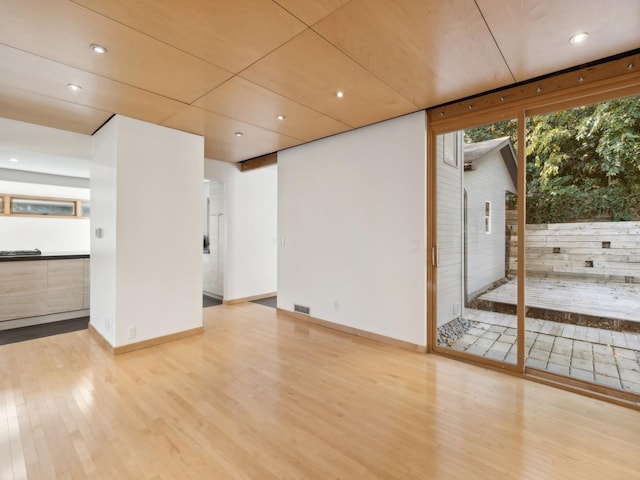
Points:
(208, 301)
(269, 302)
(47, 329)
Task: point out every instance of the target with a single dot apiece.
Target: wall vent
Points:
(301, 309)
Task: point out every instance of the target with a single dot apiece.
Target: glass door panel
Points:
(476, 235)
(583, 243)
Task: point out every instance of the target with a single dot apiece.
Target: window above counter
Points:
(23, 205)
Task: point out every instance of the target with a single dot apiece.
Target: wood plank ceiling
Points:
(215, 67)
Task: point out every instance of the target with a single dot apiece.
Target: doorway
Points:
(213, 242)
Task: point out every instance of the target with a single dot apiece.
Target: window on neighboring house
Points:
(86, 209)
(487, 217)
(448, 148)
(1, 205)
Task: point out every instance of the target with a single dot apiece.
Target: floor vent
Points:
(301, 309)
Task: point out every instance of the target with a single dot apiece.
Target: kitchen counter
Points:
(43, 288)
(44, 256)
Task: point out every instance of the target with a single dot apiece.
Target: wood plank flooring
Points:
(259, 396)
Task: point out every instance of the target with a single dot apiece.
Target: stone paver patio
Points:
(597, 355)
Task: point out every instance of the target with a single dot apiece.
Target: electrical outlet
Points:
(131, 332)
(108, 324)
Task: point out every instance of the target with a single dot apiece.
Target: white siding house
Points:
(449, 231)
(490, 173)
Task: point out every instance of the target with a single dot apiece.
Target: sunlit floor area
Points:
(261, 396)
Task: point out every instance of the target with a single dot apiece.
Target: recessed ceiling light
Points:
(13, 160)
(339, 94)
(99, 49)
(280, 117)
(73, 87)
(579, 37)
(238, 134)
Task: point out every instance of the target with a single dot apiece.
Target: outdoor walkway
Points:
(607, 299)
(597, 355)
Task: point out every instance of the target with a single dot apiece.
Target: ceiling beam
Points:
(259, 162)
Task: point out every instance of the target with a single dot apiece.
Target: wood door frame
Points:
(432, 231)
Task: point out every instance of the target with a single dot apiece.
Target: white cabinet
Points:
(65, 285)
(23, 289)
(32, 288)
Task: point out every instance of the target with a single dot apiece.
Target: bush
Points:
(571, 203)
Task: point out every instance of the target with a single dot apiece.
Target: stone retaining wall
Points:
(598, 251)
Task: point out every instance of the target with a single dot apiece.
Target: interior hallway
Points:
(261, 396)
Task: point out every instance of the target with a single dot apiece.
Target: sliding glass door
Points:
(535, 254)
(583, 243)
(476, 233)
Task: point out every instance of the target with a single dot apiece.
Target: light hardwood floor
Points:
(262, 397)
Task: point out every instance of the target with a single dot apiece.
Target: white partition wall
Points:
(146, 258)
(352, 228)
(253, 234)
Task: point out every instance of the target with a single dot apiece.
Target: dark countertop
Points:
(44, 256)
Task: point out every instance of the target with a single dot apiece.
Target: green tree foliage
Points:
(506, 128)
(581, 163)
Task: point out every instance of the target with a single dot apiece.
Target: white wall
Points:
(253, 234)
(21, 136)
(352, 224)
(104, 215)
(250, 223)
(147, 192)
(44, 149)
(38, 178)
(50, 235)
